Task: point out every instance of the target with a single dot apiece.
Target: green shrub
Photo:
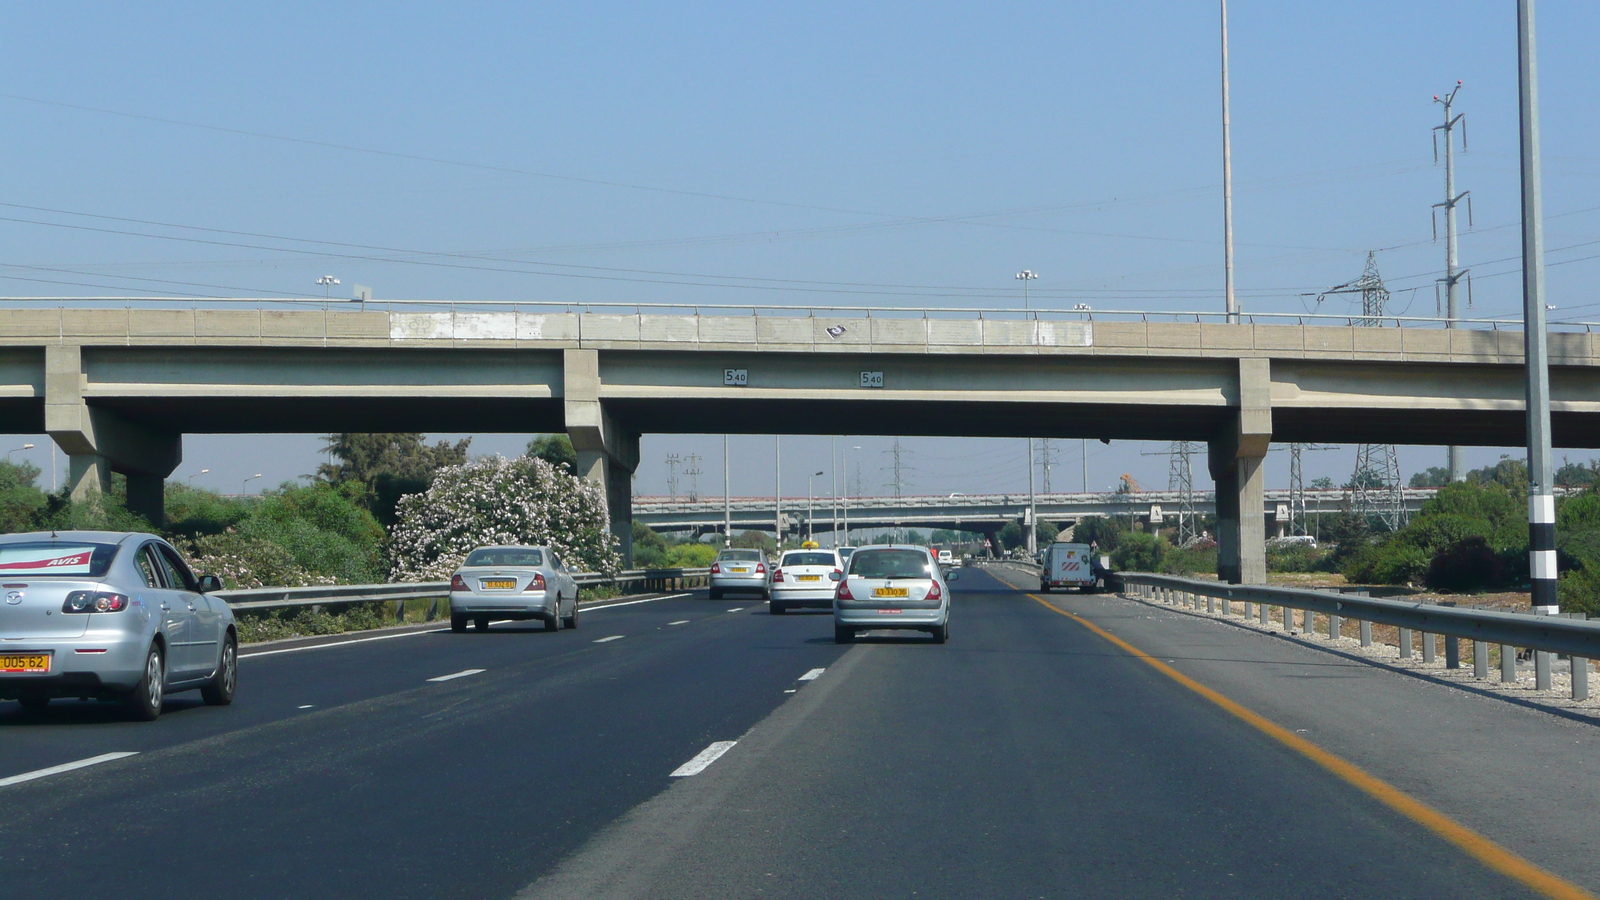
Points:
(1467, 565)
(1579, 591)
(1392, 562)
(1200, 559)
(1139, 551)
(1104, 531)
(690, 556)
(1294, 558)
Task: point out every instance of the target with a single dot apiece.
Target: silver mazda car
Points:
(513, 583)
(110, 615)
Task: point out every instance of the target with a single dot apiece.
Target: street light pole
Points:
(727, 501)
(1033, 512)
(1025, 276)
(809, 507)
(23, 447)
(844, 461)
(833, 459)
(1230, 304)
(1541, 494)
(244, 485)
(201, 472)
(777, 491)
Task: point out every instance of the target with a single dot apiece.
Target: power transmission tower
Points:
(1180, 478)
(1298, 519)
(693, 471)
(1047, 460)
(1452, 276)
(901, 469)
(672, 475)
(1377, 491)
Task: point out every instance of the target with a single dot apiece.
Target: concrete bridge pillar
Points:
(98, 442)
(607, 453)
(1236, 459)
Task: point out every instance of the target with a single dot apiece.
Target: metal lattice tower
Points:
(672, 475)
(1298, 519)
(1180, 478)
(1047, 460)
(1378, 492)
(693, 471)
(900, 468)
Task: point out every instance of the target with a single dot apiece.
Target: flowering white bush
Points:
(493, 500)
(242, 561)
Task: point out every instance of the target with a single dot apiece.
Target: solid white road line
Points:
(67, 767)
(737, 609)
(705, 758)
(679, 622)
(389, 637)
(614, 637)
(812, 675)
(461, 674)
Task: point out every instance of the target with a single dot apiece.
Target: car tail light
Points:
(844, 592)
(457, 583)
(94, 601)
(537, 584)
(761, 568)
(716, 569)
(935, 592)
(777, 575)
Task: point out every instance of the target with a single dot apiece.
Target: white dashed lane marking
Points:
(614, 637)
(454, 675)
(94, 761)
(812, 675)
(705, 758)
(679, 622)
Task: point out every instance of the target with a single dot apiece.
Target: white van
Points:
(1067, 565)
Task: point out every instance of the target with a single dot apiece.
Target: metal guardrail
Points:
(1570, 636)
(329, 595)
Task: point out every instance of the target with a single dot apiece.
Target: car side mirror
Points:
(952, 576)
(210, 584)
(835, 576)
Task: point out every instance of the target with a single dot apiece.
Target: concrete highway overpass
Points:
(117, 388)
(978, 513)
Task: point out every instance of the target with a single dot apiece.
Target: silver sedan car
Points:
(892, 587)
(735, 571)
(513, 583)
(110, 615)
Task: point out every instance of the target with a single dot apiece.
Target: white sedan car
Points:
(513, 583)
(805, 578)
(893, 587)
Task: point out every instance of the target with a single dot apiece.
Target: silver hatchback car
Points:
(892, 587)
(513, 583)
(110, 615)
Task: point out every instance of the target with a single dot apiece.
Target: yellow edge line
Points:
(1476, 845)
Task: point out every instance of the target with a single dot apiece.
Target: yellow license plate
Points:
(500, 584)
(32, 662)
(810, 577)
(740, 571)
(891, 592)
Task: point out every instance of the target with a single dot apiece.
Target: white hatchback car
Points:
(893, 587)
(805, 578)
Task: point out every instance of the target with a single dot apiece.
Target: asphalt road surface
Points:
(1029, 757)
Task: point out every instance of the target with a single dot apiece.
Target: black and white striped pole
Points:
(1541, 495)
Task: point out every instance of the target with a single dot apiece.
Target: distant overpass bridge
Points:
(979, 513)
(117, 382)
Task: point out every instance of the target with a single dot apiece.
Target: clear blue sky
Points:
(894, 154)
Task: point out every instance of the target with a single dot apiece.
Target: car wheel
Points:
(144, 701)
(1044, 588)
(843, 634)
(552, 622)
(219, 692)
(942, 633)
(572, 620)
(34, 702)
(716, 593)
(481, 623)
(458, 624)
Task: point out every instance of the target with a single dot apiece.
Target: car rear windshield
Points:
(75, 559)
(808, 559)
(889, 564)
(505, 558)
(740, 555)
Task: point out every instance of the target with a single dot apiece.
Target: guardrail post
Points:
(1508, 663)
(1580, 678)
(1366, 633)
(1480, 659)
(1541, 670)
(1452, 652)
(1428, 646)
(399, 610)
(1405, 643)
(1262, 614)
(1227, 606)
(1288, 618)
(1334, 631)
(1211, 603)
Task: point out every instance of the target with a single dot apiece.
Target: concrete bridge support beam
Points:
(607, 453)
(98, 442)
(1236, 459)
